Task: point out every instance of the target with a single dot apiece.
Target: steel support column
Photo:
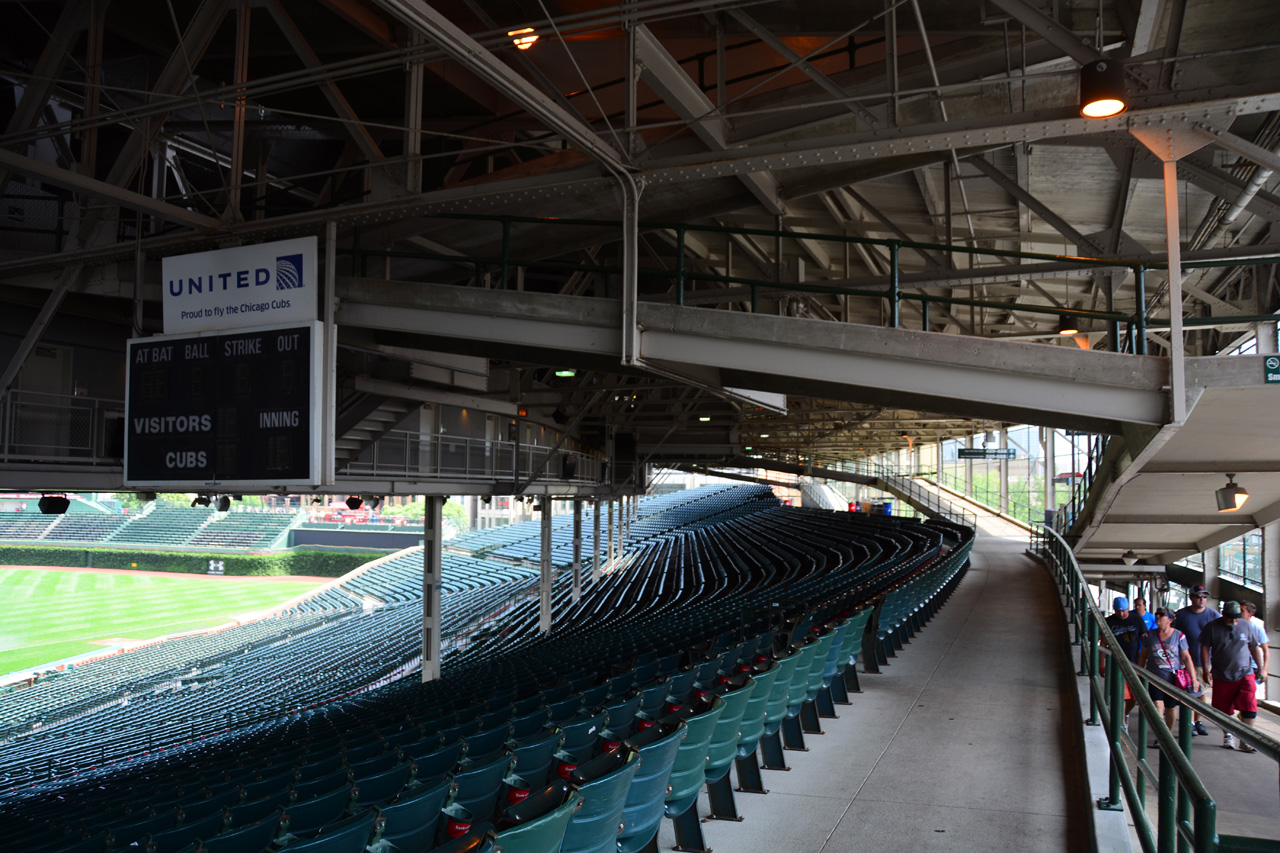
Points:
(240, 74)
(577, 549)
(597, 566)
(1004, 472)
(612, 531)
(432, 537)
(544, 566)
(1177, 350)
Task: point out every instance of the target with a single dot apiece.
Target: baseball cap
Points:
(1231, 609)
(1198, 590)
(1120, 603)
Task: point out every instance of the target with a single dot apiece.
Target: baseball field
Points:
(50, 614)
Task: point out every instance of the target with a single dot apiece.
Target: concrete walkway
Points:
(962, 743)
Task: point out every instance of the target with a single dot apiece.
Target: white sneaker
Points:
(1228, 740)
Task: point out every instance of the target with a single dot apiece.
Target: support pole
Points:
(1050, 461)
(413, 89)
(241, 76)
(432, 537)
(329, 391)
(1177, 351)
(1004, 472)
(577, 549)
(611, 534)
(544, 579)
(597, 566)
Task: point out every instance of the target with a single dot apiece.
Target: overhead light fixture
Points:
(748, 447)
(146, 497)
(1102, 89)
(566, 374)
(201, 500)
(523, 38)
(1129, 557)
(704, 419)
(316, 500)
(354, 502)
(223, 504)
(1231, 496)
(54, 504)
(764, 435)
(1067, 326)
(372, 501)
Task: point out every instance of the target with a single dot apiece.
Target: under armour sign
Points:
(244, 287)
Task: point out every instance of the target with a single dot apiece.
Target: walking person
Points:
(1164, 653)
(1140, 607)
(1251, 613)
(1191, 620)
(1129, 631)
(1229, 648)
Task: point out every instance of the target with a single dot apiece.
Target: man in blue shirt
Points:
(1191, 620)
(1140, 607)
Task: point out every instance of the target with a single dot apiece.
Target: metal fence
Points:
(1185, 813)
(410, 454)
(39, 427)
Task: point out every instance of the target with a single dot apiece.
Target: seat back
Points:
(253, 838)
(605, 781)
(533, 756)
(581, 732)
(688, 773)
(381, 787)
(416, 809)
(818, 665)
(310, 815)
(542, 834)
(751, 726)
(642, 811)
(622, 712)
(442, 759)
(348, 836)
(723, 745)
(776, 707)
(180, 836)
(485, 743)
(479, 785)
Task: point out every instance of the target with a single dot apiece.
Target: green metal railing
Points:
(1186, 813)
(893, 292)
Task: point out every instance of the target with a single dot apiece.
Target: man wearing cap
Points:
(1129, 629)
(1231, 645)
(1191, 620)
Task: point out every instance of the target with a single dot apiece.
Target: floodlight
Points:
(223, 504)
(54, 504)
(201, 500)
(1102, 89)
(354, 502)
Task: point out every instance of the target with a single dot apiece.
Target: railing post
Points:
(680, 232)
(1140, 310)
(1166, 816)
(1092, 651)
(1115, 719)
(1183, 812)
(924, 310)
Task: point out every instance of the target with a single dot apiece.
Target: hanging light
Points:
(1067, 326)
(1231, 496)
(1129, 557)
(354, 502)
(524, 38)
(201, 500)
(1102, 89)
(223, 504)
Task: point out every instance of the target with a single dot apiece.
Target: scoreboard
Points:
(229, 411)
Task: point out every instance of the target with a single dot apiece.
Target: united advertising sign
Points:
(263, 285)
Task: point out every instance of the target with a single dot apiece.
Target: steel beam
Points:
(1066, 229)
(78, 183)
(1049, 29)
(664, 74)
(1243, 147)
(784, 50)
(329, 88)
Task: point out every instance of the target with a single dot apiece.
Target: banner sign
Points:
(986, 453)
(262, 285)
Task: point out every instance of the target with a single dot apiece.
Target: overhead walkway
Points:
(964, 742)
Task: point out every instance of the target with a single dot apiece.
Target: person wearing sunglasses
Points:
(1164, 653)
(1191, 620)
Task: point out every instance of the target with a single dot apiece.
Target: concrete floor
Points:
(957, 745)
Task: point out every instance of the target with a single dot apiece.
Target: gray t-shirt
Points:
(1229, 648)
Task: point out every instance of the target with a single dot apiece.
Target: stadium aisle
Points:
(959, 744)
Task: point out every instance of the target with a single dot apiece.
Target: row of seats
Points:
(163, 526)
(720, 645)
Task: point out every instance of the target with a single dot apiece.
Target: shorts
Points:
(1232, 696)
(1159, 695)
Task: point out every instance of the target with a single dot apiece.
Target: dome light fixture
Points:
(1067, 327)
(1129, 557)
(1231, 496)
(1102, 89)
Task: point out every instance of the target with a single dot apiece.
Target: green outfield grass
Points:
(50, 615)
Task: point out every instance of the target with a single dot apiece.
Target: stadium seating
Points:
(732, 616)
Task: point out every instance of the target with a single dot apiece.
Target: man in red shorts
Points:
(1231, 644)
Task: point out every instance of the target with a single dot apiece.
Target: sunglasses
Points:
(1200, 596)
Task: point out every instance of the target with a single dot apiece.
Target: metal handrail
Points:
(1186, 812)
(906, 483)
